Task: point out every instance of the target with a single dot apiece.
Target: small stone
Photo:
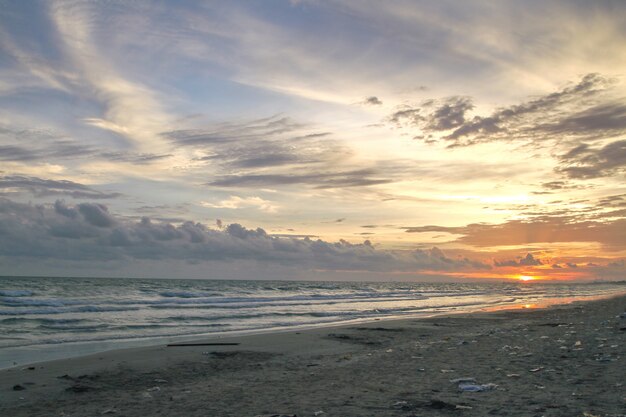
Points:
(18, 388)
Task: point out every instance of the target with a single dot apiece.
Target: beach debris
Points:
(578, 343)
(463, 407)
(154, 389)
(389, 350)
(477, 387)
(447, 371)
(404, 405)
(18, 387)
(161, 381)
(318, 413)
(513, 375)
(540, 368)
(109, 411)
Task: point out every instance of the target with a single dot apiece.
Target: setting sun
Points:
(526, 278)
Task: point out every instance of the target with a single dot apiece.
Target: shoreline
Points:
(383, 367)
(64, 351)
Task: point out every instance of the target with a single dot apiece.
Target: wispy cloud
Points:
(45, 187)
(235, 202)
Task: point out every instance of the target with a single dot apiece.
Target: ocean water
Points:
(48, 318)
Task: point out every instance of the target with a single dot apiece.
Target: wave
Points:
(26, 320)
(81, 309)
(16, 293)
(188, 294)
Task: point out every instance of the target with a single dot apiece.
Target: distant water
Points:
(44, 318)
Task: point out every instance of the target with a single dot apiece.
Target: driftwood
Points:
(201, 344)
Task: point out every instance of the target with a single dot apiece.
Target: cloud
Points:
(275, 151)
(26, 145)
(30, 145)
(355, 178)
(96, 214)
(585, 161)
(89, 232)
(372, 101)
(586, 110)
(45, 187)
(235, 202)
(434, 115)
(541, 229)
(528, 260)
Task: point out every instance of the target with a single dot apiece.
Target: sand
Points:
(566, 360)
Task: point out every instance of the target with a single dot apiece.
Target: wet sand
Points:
(566, 360)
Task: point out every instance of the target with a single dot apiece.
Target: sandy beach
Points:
(566, 360)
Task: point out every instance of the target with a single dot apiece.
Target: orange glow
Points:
(526, 278)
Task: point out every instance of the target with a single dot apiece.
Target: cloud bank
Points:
(89, 232)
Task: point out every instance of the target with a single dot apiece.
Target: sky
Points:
(348, 140)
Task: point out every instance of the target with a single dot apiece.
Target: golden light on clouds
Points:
(453, 145)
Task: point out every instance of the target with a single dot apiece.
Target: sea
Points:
(52, 318)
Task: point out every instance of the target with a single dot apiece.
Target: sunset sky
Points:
(370, 140)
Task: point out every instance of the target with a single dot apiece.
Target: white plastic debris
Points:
(477, 387)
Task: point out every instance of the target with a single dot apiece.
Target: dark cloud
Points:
(585, 161)
(432, 115)
(135, 158)
(450, 114)
(88, 232)
(528, 260)
(372, 101)
(560, 185)
(17, 153)
(262, 129)
(96, 214)
(585, 110)
(275, 151)
(540, 115)
(39, 187)
(26, 145)
(602, 119)
(357, 178)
